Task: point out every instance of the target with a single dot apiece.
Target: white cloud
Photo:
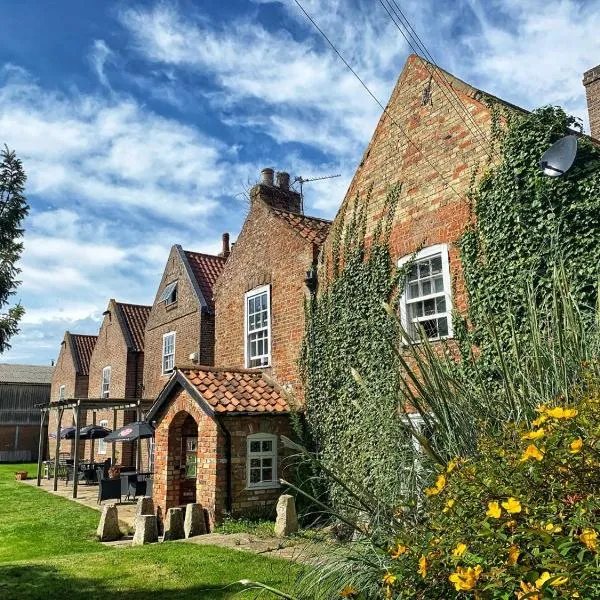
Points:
(99, 56)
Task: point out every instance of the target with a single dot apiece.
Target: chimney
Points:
(225, 252)
(278, 196)
(591, 82)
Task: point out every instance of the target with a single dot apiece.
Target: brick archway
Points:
(182, 427)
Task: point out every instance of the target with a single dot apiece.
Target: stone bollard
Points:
(194, 520)
(146, 531)
(174, 525)
(108, 528)
(144, 506)
(287, 521)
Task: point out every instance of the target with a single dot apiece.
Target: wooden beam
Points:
(138, 456)
(59, 417)
(93, 441)
(113, 450)
(77, 415)
(41, 447)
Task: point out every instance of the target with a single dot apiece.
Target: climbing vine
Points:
(355, 432)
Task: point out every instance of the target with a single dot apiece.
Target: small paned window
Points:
(426, 302)
(191, 457)
(262, 461)
(169, 295)
(258, 327)
(101, 442)
(168, 354)
(61, 392)
(105, 391)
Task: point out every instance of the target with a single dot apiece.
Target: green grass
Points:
(48, 550)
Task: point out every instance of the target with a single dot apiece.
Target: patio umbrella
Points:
(93, 432)
(131, 432)
(66, 433)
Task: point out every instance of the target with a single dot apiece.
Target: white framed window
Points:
(105, 391)
(426, 300)
(168, 353)
(61, 392)
(169, 295)
(258, 327)
(101, 442)
(261, 461)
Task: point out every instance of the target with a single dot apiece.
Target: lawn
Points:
(48, 550)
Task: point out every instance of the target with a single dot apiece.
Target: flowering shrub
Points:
(519, 520)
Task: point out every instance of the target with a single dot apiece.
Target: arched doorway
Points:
(183, 456)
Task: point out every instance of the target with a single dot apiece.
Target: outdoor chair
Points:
(109, 489)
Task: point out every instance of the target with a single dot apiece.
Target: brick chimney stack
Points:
(591, 82)
(278, 196)
(225, 252)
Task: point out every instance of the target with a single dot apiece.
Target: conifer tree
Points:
(13, 209)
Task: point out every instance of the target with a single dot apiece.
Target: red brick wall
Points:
(267, 251)
(183, 317)
(429, 211)
(591, 81)
(211, 481)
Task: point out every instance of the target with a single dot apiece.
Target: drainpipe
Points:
(229, 497)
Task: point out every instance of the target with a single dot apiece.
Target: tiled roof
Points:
(10, 373)
(135, 317)
(312, 228)
(206, 269)
(236, 390)
(83, 346)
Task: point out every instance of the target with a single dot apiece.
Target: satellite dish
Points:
(557, 160)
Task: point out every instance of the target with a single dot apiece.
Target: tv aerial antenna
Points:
(559, 158)
(301, 180)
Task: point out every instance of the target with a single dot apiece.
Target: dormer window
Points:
(169, 295)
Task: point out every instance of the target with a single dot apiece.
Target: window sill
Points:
(265, 486)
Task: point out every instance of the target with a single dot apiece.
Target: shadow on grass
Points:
(35, 581)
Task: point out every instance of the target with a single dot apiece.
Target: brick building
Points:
(115, 371)
(181, 321)
(70, 379)
(591, 82)
(218, 429)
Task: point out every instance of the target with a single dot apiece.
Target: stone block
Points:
(174, 529)
(287, 520)
(146, 531)
(194, 520)
(108, 528)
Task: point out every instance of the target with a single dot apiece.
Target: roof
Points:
(12, 373)
(226, 391)
(206, 268)
(134, 319)
(83, 345)
(311, 228)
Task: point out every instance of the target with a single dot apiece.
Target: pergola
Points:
(77, 405)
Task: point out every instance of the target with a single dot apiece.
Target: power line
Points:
(434, 68)
(385, 110)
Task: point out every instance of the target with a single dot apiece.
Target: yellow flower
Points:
(532, 451)
(348, 592)
(534, 435)
(528, 590)
(449, 504)
(493, 510)
(422, 567)
(545, 576)
(465, 579)
(440, 484)
(513, 555)
(398, 551)
(589, 538)
(389, 579)
(512, 505)
(459, 550)
(451, 465)
(542, 408)
(576, 446)
(562, 413)
(550, 528)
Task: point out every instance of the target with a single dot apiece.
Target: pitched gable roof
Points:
(133, 318)
(82, 347)
(12, 373)
(226, 391)
(311, 228)
(205, 268)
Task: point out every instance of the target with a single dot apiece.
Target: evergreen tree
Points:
(13, 209)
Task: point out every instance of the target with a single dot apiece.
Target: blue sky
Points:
(142, 125)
